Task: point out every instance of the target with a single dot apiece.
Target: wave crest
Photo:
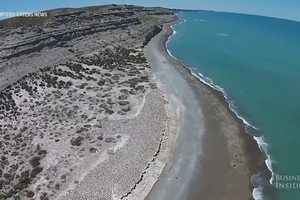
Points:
(223, 34)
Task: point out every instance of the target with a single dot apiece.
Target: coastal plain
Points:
(80, 115)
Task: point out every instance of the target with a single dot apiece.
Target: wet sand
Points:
(214, 158)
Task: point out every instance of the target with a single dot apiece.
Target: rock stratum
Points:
(80, 114)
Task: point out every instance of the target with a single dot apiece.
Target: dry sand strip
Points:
(214, 157)
(176, 177)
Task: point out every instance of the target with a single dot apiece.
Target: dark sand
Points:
(227, 156)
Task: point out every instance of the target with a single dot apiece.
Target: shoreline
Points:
(253, 160)
(244, 123)
(265, 174)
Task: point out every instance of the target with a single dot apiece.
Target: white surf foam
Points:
(264, 148)
(183, 21)
(257, 192)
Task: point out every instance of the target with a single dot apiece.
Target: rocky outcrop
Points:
(28, 44)
(60, 28)
(52, 38)
(151, 34)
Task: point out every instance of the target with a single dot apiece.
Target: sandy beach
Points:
(214, 158)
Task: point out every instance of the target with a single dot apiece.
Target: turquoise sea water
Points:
(256, 60)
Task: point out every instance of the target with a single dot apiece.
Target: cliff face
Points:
(151, 34)
(67, 33)
(62, 79)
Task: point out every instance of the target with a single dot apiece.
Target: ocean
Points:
(255, 62)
